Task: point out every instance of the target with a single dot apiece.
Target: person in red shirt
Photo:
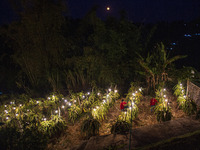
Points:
(122, 105)
(153, 102)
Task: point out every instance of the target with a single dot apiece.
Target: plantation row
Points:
(30, 123)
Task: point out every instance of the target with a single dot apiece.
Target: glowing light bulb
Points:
(108, 8)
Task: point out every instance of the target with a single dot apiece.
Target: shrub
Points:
(90, 127)
(120, 127)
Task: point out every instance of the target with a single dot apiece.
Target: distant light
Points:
(83, 96)
(7, 118)
(88, 93)
(44, 119)
(171, 48)
(140, 89)
(69, 104)
(108, 8)
(20, 105)
(115, 91)
(63, 106)
(14, 108)
(56, 111)
(37, 102)
(165, 100)
(65, 101)
(94, 109)
(109, 90)
(187, 35)
(133, 94)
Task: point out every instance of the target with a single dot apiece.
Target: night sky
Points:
(137, 10)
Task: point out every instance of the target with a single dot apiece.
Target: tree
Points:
(157, 65)
(38, 42)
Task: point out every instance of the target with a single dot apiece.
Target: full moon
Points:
(108, 8)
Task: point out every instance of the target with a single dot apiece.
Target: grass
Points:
(187, 141)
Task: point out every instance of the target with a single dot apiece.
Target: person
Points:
(153, 102)
(122, 107)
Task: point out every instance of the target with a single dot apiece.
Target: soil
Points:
(72, 136)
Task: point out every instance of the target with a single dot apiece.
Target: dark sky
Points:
(137, 10)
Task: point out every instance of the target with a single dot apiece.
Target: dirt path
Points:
(144, 135)
(111, 117)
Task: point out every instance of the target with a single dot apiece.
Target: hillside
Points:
(72, 136)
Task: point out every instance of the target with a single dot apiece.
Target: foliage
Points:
(156, 66)
(162, 109)
(90, 127)
(185, 103)
(164, 115)
(190, 107)
(120, 127)
(74, 113)
(102, 107)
